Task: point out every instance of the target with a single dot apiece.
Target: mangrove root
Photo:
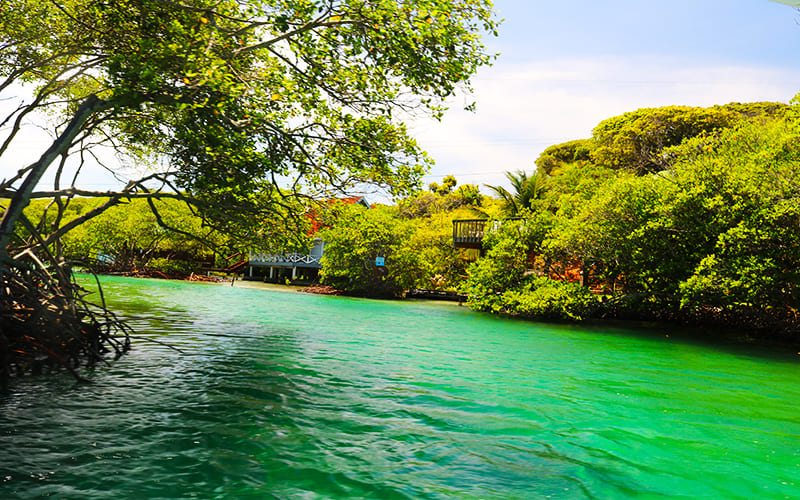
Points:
(47, 321)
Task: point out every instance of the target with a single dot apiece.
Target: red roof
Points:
(352, 200)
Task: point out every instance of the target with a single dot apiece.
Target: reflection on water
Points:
(288, 395)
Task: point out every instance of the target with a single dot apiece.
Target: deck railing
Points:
(290, 259)
(266, 259)
(468, 233)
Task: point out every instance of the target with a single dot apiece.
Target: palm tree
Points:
(526, 190)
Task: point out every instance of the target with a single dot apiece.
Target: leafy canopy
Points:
(710, 235)
(228, 98)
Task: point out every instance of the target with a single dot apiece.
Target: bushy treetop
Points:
(229, 97)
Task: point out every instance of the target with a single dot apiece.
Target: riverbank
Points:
(162, 275)
(707, 328)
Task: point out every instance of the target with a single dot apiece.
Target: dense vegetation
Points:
(704, 229)
(240, 109)
(670, 213)
(131, 237)
(676, 213)
(415, 239)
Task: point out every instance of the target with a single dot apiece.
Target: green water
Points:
(294, 396)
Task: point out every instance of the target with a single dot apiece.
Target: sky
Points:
(564, 66)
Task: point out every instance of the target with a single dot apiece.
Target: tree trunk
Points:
(22, 197)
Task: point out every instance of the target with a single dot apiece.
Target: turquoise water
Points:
(284, 395)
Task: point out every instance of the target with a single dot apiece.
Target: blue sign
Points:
(380, 261)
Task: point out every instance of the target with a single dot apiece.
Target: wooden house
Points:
(277, 268)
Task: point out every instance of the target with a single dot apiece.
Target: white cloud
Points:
(524, 108)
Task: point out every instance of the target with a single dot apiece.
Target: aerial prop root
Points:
(46, 322)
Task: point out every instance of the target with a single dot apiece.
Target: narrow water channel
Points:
(284, 395)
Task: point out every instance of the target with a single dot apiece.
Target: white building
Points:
(292, 266)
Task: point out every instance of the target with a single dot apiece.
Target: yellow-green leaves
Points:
(234, 96)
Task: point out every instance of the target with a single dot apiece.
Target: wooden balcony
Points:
(468, 233)
(304, 260)
(284, 260)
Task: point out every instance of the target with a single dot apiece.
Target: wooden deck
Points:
(468, 233)
(417, 293)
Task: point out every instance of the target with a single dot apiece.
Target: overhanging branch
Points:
(22, 196)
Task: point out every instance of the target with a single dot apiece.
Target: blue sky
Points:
(565, 66)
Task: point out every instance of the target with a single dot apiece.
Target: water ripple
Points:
(290, 396)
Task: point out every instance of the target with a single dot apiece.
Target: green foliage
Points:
(506, 280)
(743, 186)
(502, 269)
(439, 265)
(416, 239)
(233, 98)
(635, 140)
(527, 190)
(620, 230)
(171, 266)
(440, 199)
(564, 153)
(448, 183)
(678, 213)
(761, 110)
(545, 298)
(353, 243)
(131, 235)
(468, 195)
(571, 185)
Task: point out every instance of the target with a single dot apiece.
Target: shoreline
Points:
(762, 338)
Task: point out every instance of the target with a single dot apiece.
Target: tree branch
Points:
(22, 197)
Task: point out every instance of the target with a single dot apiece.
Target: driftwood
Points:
(200, 277)
(322, 290)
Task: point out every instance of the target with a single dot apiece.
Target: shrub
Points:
(169, 266)
(545, 298)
